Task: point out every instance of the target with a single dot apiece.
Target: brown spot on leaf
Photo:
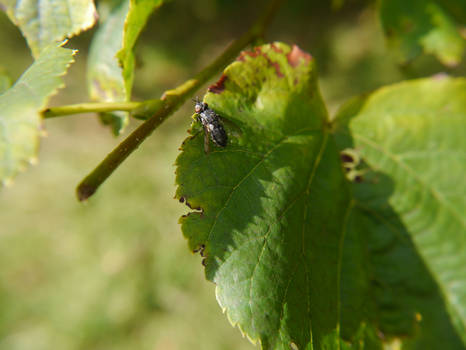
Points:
(198, 211)
(296, 55)
(358, 179)
(346, 158)
(277, 69)
(275, 65)
(219, 86)
(200, 249)
(257, 51)
(191, 207)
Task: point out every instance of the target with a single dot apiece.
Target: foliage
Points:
(420, 25)
(19, 110)
(320, 231)
(111, 60)
(406, 216)
(44, 22)
(272, 208)
(257, 220)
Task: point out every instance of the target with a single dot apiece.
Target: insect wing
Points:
(219, 136)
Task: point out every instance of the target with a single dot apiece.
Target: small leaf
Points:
(139, 12)
(111, 59)
(421, 25)
(45, 22)
(271, 205)
(406, 236)
(20, 107)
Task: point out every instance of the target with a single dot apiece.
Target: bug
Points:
(211, 124)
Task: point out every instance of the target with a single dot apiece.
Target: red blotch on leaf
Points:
(257, 51)
(276, 65)
(219, 86)
(296, 55)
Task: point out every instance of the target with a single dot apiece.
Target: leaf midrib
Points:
(305, 190)
(264, 157)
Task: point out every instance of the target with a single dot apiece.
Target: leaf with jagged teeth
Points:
(20, 107)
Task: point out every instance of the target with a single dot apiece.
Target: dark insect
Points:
(212, 125)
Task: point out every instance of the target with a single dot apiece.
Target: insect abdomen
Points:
(219, 136)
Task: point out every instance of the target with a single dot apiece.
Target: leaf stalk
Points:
(98, 107)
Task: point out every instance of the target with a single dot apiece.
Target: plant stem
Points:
(170, 102)
(90, 108)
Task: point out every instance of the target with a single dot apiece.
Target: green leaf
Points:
(139, 12)
(422, 25)
(406, 237)
(5, 82)
(111, 59)
(104, 74)
(45, 22)
(271, 205)
(20, 106)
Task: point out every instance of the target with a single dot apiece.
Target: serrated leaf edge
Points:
(34, 160)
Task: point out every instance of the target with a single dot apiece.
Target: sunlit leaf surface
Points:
(44, 22)
(406, 234)
(20, 107)
(111, 58)
(271, 205)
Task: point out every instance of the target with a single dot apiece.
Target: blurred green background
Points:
(116, 273)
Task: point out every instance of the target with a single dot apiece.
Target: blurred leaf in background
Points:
(20, 107)
(45, 22)
(406, 230)
(111, 59)
(425, 25)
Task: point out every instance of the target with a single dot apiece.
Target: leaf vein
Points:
(437, 195)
